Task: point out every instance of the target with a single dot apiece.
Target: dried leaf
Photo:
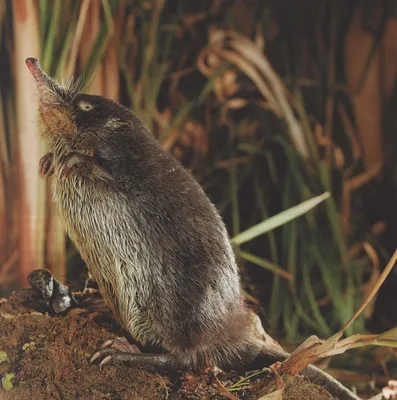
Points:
(277, 395)
(369, 285)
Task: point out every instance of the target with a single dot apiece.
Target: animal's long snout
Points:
(45, 84)
(41, 78)
(35, 68)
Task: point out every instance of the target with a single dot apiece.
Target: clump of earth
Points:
(47, 356)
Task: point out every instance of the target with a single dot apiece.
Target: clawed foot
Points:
(71, 164)
(119, 350)
(71, 160)
(113, 349)
(90, 285)
(46, 167)
(81, 164)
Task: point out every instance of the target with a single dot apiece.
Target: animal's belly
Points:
(102, 228)
(97, 219)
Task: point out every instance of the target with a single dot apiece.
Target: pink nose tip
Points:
(34, 67)
(31, 60)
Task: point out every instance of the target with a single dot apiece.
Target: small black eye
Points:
(84, 106)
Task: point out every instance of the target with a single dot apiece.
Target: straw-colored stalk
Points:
(31, 187)
(111, 69)
(370, 77)
(4, 173)
(4, 164)
(90, 33)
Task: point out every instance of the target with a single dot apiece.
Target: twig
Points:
(223, 390)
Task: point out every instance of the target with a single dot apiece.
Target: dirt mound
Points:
(43, 356)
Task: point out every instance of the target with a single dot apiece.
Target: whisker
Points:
(74, 88)
(72, 84)
(69, 86)
(89, 81)
(80, 82)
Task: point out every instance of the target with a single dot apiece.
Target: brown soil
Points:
(49, 357)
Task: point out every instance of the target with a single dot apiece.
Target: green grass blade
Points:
(67, 43)
(268, 265)
(260, 196)
(308, 288)
(51, 37)
(279, 219)
(43, 18)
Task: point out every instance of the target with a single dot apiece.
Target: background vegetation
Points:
(268, 103)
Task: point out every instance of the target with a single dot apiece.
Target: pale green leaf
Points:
(4, 357)
(6, 382)
(388, 335)
(278, 220)
(266, 264)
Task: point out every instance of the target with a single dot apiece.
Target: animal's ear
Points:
(85, 105)
(114, 123)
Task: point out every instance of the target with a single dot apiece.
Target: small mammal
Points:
(150, 237)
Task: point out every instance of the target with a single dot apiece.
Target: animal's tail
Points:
(333, 386)
(262, 354)
(244, 344)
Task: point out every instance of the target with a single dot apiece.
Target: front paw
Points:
(68, 162)
(46, 166)
(81, 165)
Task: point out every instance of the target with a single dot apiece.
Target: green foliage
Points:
(29, 346)
(4, 357)
(278, 220)
(6, 382)
(243, 127)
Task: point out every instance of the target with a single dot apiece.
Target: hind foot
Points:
(119, 350)
(164, 362)
(113, 346)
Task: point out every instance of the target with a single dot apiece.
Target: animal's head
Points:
(67, 114)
